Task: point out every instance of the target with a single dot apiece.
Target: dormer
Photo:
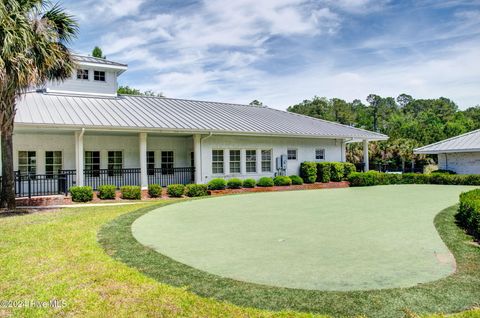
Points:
(92, 76)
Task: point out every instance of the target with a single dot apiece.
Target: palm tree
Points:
(34, 35)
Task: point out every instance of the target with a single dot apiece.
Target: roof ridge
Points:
(193, 100)
(448, 139)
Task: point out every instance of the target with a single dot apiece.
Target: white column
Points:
(243, 165)
(143, 160)
(79, 154)
(197, 158)
(259, 161)
(226, 161)
(365, 154)
(344, 151)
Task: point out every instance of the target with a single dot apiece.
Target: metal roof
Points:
(168, 114)
(96, 60)
(469, 142)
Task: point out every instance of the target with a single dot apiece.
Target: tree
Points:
(34, 36)
(374, 101)
(255, 103)
(127, 90)
(97, 52)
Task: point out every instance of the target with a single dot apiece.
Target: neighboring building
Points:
(460, 154)
(81, 129)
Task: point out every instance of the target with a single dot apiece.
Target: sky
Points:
(282, 52)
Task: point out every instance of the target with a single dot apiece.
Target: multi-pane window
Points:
(234, 161)
(99, 76)
(53, 162)
(266, 160)
(82, 74)
(251, 160)
(27, 162)
(150, 163)
(167, 162)
(92, 163)
(319, 154)
(217, 161)
(292, 154)
(115, 163)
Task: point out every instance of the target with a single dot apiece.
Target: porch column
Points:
(197, 158)
(143, 161)
(365, 155)
(344, 151)
(79, 158)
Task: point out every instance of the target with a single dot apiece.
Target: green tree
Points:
(97, 52)
(127, 90)
(255, 103)
(34, 35)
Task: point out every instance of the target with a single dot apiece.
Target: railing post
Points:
(29, 186)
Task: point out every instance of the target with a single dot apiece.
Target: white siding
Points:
(460, 162)
(78, 86)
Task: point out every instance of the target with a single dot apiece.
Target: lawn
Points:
(56, 255)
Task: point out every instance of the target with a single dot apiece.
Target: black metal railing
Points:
(34, 185)
(388, 167)
(166, 176)
(116, 177)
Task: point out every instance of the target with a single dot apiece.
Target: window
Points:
(53, 163)
(82, 74)
(27, 162)
(92, 163)
(99, 76)
(251, 160)
(115, 163)
(167, 162)
(266, 160)
(150, 163)
(292, 154)
(234, 161)
(319, 154)
(217, 161)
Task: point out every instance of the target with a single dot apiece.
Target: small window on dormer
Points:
(99, 76)
(82, 74)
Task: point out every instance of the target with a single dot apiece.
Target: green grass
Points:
(454, 293)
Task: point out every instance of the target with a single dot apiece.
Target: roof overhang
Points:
(118, 68)
(419, 151)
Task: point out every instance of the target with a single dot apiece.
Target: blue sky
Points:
(284, 51)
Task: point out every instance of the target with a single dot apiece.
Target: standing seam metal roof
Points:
(462, 143)
(159, 113)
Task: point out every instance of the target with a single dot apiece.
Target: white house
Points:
(90, 135)
(460, 154)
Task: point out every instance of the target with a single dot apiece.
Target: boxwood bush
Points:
(175, 190)
(154, 190)
(308, 171)
(234, 183)
(131, 192)
(81, 194)
(249, 183)
(348, 169)
(371, 178)
(196, 190)
(468, 215)
(323, 172)
(217, 184)
(337, 171)
(296, 180)
(282, 181)
(265, 182)
(107, 191)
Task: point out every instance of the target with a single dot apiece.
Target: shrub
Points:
(175, 190)
(265, 182)
(196, 190)
(337, 171)
(154, 190)
(217, 184)
(249, 183)
(81, 194)
(444, 171)
(131, 192)
(323, 172)
(107, 191)
(308, 171)
(348, 169)
(360, 179)
(296, 180)
(234, 183)
(468, 215)
(282, 181)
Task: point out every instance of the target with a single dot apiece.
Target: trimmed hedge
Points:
(217, 184)
(107, 191)
(81, 194)
(249, 183)
(196, 190)
(154, 190)
(131, 192)
(308, 171)
(265, 182)
(371, 178)
(323, 172)
(468, 215)
(444, 171)
(175, 190)
(349, 169)
(296, 180)
(234, 183)
(283, 181)
(337, 171)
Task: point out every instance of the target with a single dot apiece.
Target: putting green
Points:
(338, 239)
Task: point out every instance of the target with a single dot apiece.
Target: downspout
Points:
(201, 151)
(446, 161)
